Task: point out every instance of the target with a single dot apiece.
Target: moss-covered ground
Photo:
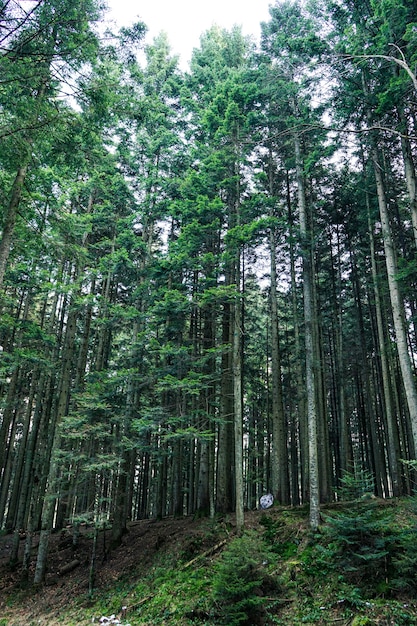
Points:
(358, 569)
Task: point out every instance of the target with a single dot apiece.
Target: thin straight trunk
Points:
(237, 353)
(120, 501)
(193, 471)
(143, 507)
(126, 465)
(308, 292)
(53, 474)
(203, 496)
(386, 384)
(9, 465)
(345, 448)
(206, 484)
(18, 486)
(8, 420)
(177, 460)
(323, 444)
(224, 486)
(252, 472)
(93, 558)
(26, 486)
(237, 396)
(279, 473)
(301, 409)
(161, 481)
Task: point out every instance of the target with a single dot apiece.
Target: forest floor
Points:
(188, 545)
(145, 541)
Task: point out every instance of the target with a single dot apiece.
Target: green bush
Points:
(360, 543)
(239, 577)
(356, 485)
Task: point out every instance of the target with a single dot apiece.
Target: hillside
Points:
(195, 571)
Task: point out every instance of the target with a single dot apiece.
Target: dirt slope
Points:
(186, 537)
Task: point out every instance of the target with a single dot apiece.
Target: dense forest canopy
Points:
(207, 278)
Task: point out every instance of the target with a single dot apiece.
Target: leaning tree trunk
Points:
(397, 305)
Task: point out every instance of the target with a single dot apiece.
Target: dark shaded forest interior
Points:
(207, 277)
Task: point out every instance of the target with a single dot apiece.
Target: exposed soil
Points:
(186, 537)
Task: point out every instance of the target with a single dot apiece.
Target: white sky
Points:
(185, 20)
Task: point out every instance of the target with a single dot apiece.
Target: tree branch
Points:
(401, 62)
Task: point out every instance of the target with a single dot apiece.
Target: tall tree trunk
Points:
(300, 399)
(224, 482)
(345, 439)
(22, 447)
(308, 292)
(279, 474)
(397, 304)
(205, 489)
(126, 466)
(237, 396)
(386, 384)
(51, 491)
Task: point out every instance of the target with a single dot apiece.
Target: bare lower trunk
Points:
(237, 395)
(224, 486)
(308, 292)
(386, 385)
(279, 469)
(54, 469)
(300, 486)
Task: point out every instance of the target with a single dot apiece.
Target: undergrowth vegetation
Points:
(360, 566)
(358, 569)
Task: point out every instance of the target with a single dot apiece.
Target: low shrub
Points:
(240, 576)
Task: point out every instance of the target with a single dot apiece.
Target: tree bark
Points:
(224, 483)
(279, 473)
(237, 396)
(396, 300)
(386, 385)
(309, 342)
(300, 453)
(51, 491)
(397, 305)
